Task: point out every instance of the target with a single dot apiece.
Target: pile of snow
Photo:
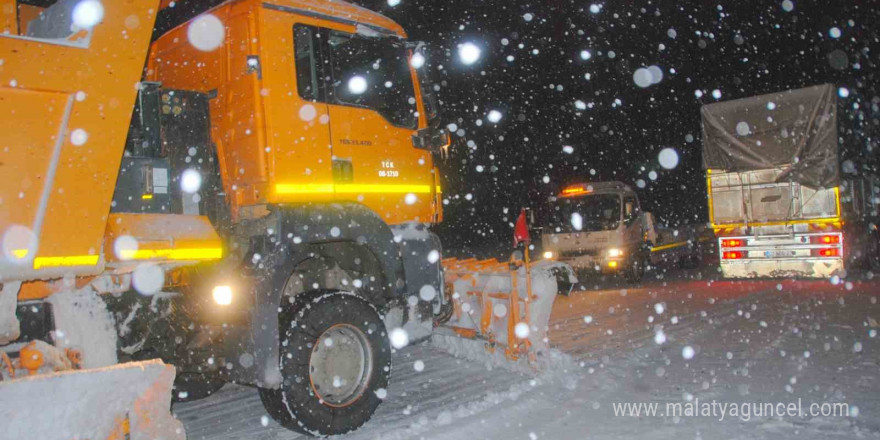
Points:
(83, 323)
(552, 365)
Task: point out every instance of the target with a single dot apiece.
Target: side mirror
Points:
(432, 139)
(648, 225)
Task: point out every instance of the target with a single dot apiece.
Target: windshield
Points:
(590, 213)
(373, 73)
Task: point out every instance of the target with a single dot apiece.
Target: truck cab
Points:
(599, 227)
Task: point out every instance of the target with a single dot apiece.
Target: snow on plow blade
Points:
(498, 303)
(125, 401)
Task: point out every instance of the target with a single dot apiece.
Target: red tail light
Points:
(732, 255)
(825, 239)
(732, 242)
(832, 252)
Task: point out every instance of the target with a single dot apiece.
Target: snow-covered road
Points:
(761, 342)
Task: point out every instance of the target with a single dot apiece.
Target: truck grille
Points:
(579, 253)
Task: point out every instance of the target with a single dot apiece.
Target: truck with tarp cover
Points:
(779, 203)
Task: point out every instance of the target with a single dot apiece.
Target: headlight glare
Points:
(222, 295)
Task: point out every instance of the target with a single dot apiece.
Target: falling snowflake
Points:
(659, 337)
(469, 53)
(88, 13)
(206, 32)
(357, 85)
(399, 338)
(190, 181)
(668, 158)
(687, 352)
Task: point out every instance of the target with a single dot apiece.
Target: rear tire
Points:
(335, 356)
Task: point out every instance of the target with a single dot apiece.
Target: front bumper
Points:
(594, 263)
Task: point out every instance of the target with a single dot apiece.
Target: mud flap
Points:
(125, 401)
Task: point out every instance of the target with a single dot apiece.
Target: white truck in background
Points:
(778, 204)
(599, 227)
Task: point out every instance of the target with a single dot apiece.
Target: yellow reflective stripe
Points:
(354, 188)
(439, 190)
(147, 197)
(307, 188)
(837, 198)
(172, 254)
(72, 260)
(668, 246)
(20, 253)
(383, 189)
(777, 223)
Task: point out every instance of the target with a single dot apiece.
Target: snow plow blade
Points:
(125, 401)
(506, 304)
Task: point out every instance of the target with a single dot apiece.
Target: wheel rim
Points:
(340, 365)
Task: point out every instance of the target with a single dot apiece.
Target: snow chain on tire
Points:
(335, 357)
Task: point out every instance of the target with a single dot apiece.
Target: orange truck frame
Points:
(247, 195)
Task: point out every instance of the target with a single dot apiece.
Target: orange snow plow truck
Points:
(244, 192)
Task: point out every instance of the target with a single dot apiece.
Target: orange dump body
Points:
(66, 97)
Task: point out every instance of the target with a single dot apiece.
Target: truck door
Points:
(297, 121)
(633, 233)
(373, 115)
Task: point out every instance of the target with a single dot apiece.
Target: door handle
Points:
(343, 170)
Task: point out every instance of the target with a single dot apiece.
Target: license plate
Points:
(778, 254)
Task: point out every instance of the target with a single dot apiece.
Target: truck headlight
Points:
(548, 255)
(614, 253)
(222, 295)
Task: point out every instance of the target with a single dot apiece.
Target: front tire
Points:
(636, 270)
(335, 357)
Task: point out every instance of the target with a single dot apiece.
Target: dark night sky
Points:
(741, 48)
